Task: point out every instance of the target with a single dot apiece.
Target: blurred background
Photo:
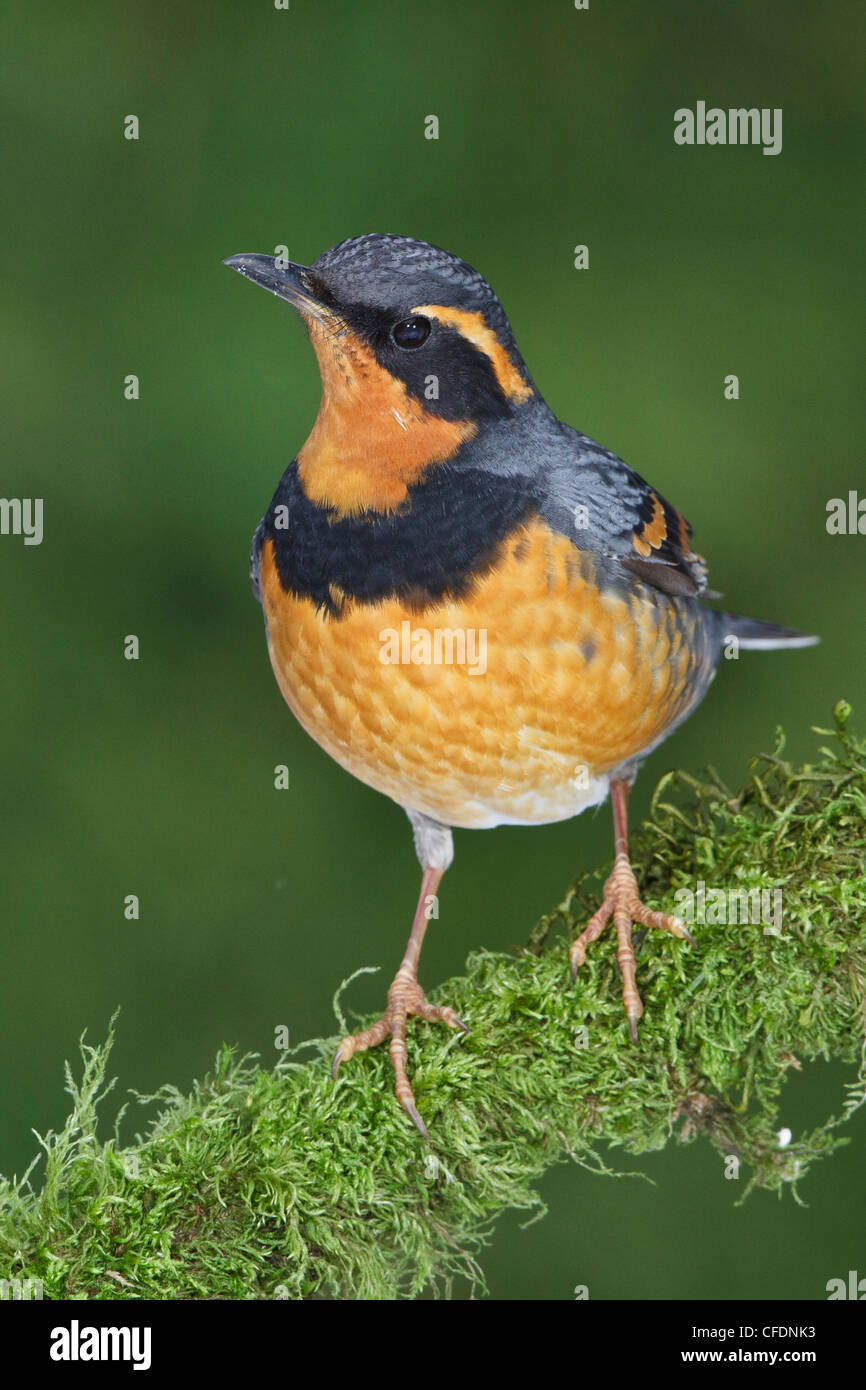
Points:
(302, 127)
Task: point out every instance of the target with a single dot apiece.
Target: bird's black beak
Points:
(283, 278)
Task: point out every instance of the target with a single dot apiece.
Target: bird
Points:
(471, 606)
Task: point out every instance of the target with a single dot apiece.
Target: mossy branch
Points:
(280, 1184)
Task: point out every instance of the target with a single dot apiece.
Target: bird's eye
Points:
(411, 333)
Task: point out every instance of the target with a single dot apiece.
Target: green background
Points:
(155, 777)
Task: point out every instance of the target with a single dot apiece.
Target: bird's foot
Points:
(405, 998)
(622, 902)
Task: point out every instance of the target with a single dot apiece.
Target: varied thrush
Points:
(471, 606)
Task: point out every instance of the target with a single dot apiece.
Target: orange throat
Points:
(371, 439)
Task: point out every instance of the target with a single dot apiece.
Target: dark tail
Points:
(752, 633)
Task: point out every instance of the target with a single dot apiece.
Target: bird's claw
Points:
(622, 902)
(406, 998)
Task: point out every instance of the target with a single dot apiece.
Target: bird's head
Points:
(416, 356)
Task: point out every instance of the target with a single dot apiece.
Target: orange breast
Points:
(511, 705)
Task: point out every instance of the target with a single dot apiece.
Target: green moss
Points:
(280, 1184)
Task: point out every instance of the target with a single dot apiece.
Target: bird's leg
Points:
(622, 902)
(406, 997)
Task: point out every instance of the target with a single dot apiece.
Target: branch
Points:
(279, 1184)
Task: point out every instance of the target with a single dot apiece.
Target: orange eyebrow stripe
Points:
(474, 328)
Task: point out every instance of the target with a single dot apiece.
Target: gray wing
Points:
(591, 495)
